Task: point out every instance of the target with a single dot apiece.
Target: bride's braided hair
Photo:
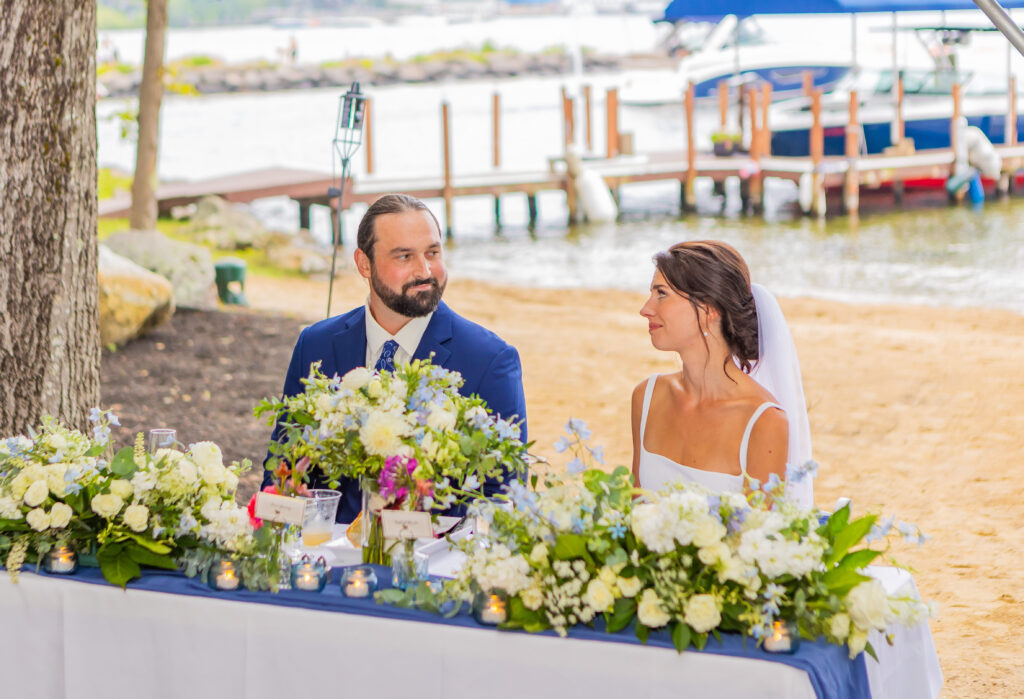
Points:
(712, 273)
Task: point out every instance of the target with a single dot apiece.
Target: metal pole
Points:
(1003, 22)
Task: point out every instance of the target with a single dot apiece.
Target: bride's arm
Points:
(769, 446)
(635, 412)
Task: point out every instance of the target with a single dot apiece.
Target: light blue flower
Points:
(561, 445)
(13, 447)
(578, 427)
(112, 419)
(71, 488)
(471, 482)
(94, 414)
(578, 524)
(58, 457)
(736, 519)
(575, 466)
(617, 530)
(507, 430)
(101, 434)
(598, 454)
(773, 482)
(799, 473)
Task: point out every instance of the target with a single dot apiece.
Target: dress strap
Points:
(750, 428)
(647, 403)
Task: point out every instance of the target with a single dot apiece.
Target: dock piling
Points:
(611, 108)
(851, 183)
(723, 103)
(368, 121)
(447, 191)
(689, 200)
(755, 187)
(496, 138)
(587, 119)
(817, 147)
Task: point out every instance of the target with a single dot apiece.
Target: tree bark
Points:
(142, 216)
(49, 329)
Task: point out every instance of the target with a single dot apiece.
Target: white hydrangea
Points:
(142, 482)
(498, 569)
(9, 508)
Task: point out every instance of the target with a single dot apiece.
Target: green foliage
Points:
(111, 182)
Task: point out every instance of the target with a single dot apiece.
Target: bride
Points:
(735, 411)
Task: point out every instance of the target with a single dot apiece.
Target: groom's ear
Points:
(363, 263)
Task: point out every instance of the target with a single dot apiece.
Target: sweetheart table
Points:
(169, 636)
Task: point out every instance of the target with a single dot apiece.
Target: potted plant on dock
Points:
(725, 143)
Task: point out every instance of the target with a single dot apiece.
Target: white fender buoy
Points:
(595, 199)
(806, 192)
(981, 155)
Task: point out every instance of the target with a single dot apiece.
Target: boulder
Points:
(188, 267)
(225, 226)
(132, 299)
(302, 253)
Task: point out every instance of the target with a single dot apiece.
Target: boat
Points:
(927, 111)
(739, 52)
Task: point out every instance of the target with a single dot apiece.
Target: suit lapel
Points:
(350, 343)
(437, 336)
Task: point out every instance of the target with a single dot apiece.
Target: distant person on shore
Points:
(735, 412)
(400, 254)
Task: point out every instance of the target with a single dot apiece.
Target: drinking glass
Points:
(162, 439)
(318, 517)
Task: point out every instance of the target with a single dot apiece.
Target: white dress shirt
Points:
(408, 338)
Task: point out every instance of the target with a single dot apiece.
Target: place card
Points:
(280, 508)
(402, 524)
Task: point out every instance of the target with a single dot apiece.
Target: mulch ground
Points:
(202, 373)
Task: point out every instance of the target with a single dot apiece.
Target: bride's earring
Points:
(705, 333)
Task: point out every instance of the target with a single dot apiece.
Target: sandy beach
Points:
(915, 412)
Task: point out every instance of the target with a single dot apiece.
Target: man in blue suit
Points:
(401, 256)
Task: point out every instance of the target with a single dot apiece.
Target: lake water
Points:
(940, 256)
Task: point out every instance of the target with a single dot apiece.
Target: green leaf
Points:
(841, 580)
(390, 596)
(569, 546)
(680, 636)
(700, 640)
(850, 535)
(869, 649)
(154, 546)
(145, 557)
(96, 450)
(117, 565)
(642, 632)
(123, 464)
(859, 559)
(620, 615)
(837, 521)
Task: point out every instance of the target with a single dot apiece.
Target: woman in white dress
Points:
(711, 422)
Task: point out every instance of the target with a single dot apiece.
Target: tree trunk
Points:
(142, 216)
(49, 328)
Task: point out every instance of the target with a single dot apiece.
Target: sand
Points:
(915, 412)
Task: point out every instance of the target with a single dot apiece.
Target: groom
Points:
(400, 254)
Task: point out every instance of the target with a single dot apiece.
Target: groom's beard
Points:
(414, 305)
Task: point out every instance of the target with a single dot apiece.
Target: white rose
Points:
(649, 610)
(171, 456)
(709, 532)
(701, 613)
(38, 519)
(106, 505)
(598, 597)
(121, 488)
(19, 484)
(630, 586)
(213, 474)
(441, 420)
(868, 606)
(60, 515)
(839, 627)
(356, 379)
(539, 553)
(206, 454)
(324, 404)
(10, 508)
(608, 577)
(55, 478)
(374, 389)
(57, 441)
(857, 641)
(187, 471)
(136, 517)
(532, 598)
(36, 493)
(230, 480)
(143, 482)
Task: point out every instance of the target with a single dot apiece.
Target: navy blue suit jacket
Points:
(489, 366)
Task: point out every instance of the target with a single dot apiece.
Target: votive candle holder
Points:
(784, 638)
(490, 607)
(358, 581)
(224, 576)
(309, 576)
(61, 560)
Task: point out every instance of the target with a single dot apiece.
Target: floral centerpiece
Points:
(408, 436)
(685, 559)
(58, 488)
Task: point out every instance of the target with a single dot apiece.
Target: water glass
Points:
(318, 517)
(408, 567)
(162, 439)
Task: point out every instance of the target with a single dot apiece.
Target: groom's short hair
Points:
(387, 204)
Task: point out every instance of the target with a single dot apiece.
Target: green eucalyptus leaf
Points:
(123, 463)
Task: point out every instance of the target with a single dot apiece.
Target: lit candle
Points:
(62, 560)
(358, 582)
(307, 578)
(226, 577)
(782, 638)
(493, 611)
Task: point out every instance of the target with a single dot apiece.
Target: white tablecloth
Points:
(60, 638)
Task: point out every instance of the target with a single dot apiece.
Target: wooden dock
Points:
(848, 173)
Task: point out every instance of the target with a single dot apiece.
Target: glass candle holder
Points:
(784, 638)
(61, 560)
(358, 581)
(490, 607)
(407, 566)
(309, 576)
(224, 575)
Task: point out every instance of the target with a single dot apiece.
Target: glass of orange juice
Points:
(318, 518)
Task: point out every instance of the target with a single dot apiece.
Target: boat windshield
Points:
(915, 82)
(692, 37)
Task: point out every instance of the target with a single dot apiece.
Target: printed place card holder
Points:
(280, 508)
(401, 524)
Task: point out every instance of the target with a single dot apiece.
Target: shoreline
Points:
(901, 423)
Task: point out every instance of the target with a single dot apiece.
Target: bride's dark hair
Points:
(712, 273)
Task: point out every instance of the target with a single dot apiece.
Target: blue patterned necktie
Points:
(386, 361)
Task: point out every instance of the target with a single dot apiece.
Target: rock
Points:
(132, 299)
(302, 253)
(225, 226)
(188, 267)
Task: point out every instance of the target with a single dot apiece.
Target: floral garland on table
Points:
(137, 509)
(408, 436)
(686, 559)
